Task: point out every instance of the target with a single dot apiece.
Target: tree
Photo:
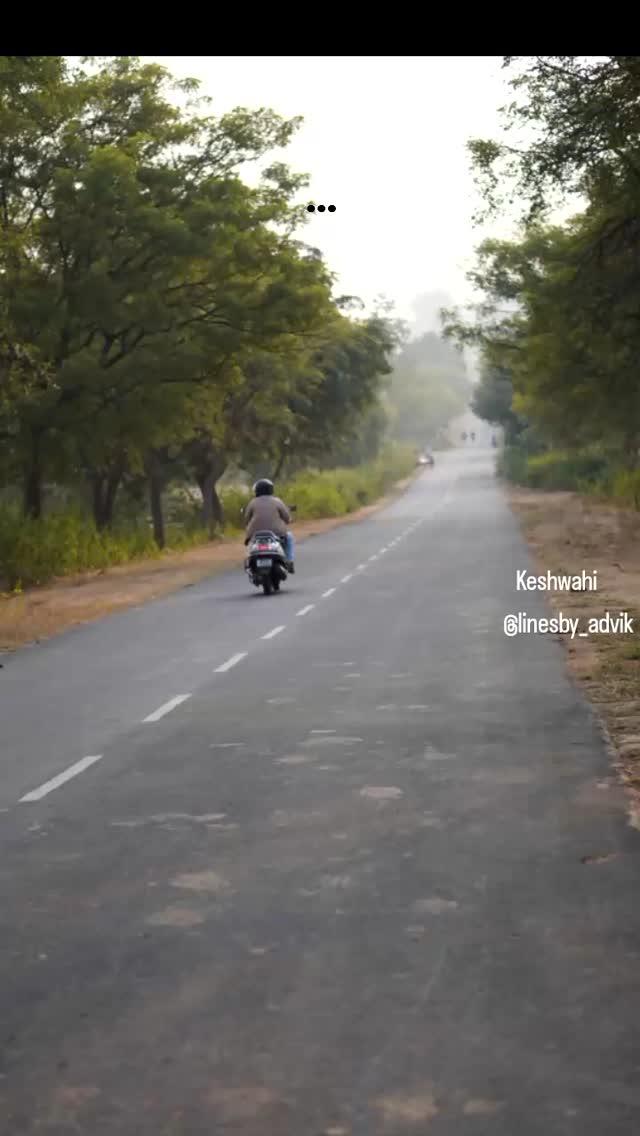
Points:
(131, 240)
(159, 315)
(559, 313)
(579, 122)
(492, 401)
(429, 386)
(338, 386)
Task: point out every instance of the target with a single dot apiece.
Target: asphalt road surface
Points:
(344, 861)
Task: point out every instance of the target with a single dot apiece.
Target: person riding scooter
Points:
(267, 513)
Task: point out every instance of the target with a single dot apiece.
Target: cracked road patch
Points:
(176, 917)
(435, 905)
(401, 1109)
(210, 882)
(480, 1107)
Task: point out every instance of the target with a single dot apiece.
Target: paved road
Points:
(339, 890)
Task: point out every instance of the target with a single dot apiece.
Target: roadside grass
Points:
(66, 541)
(32, 614)
(567, 533)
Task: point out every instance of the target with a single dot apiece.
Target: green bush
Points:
(580, 470)
(566, 470)
(34, 551)
(511, 464)
(234, 502)
(336, 492)
(624, 487)
(66, 541)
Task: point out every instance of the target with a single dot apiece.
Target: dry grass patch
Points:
(566, 534)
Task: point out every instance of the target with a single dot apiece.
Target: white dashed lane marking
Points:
(86, 762)
(231, 662)
(72, 771)
(274, 631)
(166, 708)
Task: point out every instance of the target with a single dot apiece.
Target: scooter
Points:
(266, 565)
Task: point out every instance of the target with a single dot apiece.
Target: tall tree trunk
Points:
(33, 479)
(104, 488)
(218, 509)
(154, 474)
(281, 460)
(208, 473)
(113, 484)
(206, 485)
(97, 499)
(631, 450)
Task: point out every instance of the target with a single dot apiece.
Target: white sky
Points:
(384, 141)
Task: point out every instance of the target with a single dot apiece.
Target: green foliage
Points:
(563, 470)
(234, 502)
(34, 551)
(623, 487)
(429, 386)
(580, 118)
(493, 401)
(559, 314)
(158, 318)
(555, 469)
(334, 493)
(511, 463)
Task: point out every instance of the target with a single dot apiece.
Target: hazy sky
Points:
(384, 141)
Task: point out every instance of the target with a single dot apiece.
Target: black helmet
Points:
(263, 487)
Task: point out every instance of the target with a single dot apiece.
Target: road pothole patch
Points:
(405, 1109)
(176, 917)
(433, 754)
(210, 882)
(507, 776)
(331, 740)
(602, 858)
(434, 905)
(382, 792)
(431, 822)
(480, 1107)
(242, 1103)
(337, 882)
(167, 818)
(294, 759)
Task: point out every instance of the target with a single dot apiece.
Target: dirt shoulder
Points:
(42, 612)
(566, 534)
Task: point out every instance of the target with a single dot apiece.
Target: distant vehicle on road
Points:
(426, 459)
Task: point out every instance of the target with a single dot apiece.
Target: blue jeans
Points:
(289, 546)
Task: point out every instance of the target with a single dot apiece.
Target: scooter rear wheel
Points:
(267, 587)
